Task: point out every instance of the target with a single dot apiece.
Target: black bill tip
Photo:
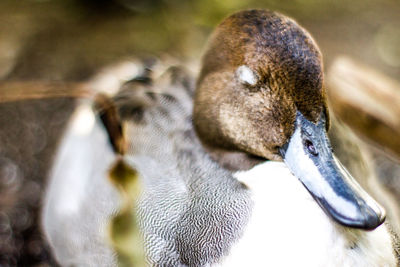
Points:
(366, 218)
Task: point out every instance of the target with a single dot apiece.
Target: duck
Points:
(235, 168)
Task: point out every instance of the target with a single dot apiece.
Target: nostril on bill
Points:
(310, 147)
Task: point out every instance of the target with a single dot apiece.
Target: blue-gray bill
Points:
(309, 157)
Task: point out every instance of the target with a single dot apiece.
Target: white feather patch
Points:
(246, 75)
(288, 228)
(82, 121)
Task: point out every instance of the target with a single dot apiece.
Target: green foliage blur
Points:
(71, 39)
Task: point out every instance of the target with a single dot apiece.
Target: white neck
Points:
(288, 228)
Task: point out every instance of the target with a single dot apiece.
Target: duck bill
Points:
(309, 157)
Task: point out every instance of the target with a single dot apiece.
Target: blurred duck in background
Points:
(235, 170)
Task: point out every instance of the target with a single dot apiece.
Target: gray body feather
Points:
(191, 210)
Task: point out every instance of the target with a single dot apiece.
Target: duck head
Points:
(260, 91)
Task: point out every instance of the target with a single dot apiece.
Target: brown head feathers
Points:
(259, 69)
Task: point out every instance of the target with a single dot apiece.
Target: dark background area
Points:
(70, 40)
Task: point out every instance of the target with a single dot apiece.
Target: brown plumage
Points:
(257, 119)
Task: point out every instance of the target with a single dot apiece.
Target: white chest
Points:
(288, 228)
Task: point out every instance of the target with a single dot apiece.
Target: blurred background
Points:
(70, 40)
